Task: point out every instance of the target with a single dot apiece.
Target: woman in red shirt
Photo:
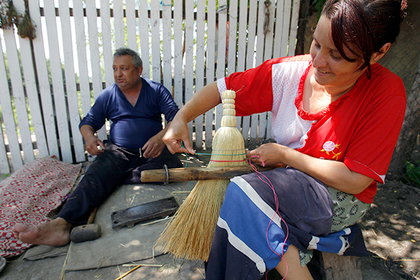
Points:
(336, 119)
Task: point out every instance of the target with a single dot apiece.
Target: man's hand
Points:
(94, 146)
(153, 147)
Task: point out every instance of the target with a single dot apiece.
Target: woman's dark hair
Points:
(367, 24)
(137, 62)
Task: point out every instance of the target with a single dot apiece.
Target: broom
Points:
(189, 233)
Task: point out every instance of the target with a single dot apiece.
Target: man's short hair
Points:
(126, 51)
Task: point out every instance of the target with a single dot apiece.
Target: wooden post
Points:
(338, 267)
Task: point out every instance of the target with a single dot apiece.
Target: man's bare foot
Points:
(54, 233)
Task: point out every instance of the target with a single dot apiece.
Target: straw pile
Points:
(190, 232)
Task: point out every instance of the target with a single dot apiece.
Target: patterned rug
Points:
(29, 194)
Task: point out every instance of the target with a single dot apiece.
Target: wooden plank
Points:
(130, 11)
(57, 81)
(286, 28)
(259, 56)
(94, 51)
(231, 36)
(256, 118)
(242, 28)
(268, 54)
(43, 82)
(269, 31)
(79, 25)
(265, 118)
(338, 267)
(118, 24)
(250, 56)
(221, 28)
(178, 53)
(199, 67)
(71, 91)
(252, 23)
(189, 55)
(269, 125)
(144, 37)
(294, 22)
(107, 41)
(8, 121)
(167, 43)
(155, 29)
(278, 29)
(4, 162)
(211, 37)
(21, 113)
(31, 89)
(241, 48)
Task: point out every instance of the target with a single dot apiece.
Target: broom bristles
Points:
(189, 233)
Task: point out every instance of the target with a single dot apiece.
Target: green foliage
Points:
(413, 172)
(318, 5)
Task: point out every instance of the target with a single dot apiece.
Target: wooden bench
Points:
(335, 267)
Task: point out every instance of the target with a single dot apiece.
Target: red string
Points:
(276, 201)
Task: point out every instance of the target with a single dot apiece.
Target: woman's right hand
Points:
(177, 138)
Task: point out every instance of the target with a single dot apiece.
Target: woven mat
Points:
(29, 194)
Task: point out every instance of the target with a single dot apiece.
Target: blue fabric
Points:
(347, 242)
(256, 230)
(132, 126)
(263, 235)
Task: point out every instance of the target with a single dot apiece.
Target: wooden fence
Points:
(49, 83)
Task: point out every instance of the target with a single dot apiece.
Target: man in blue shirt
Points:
(134, 105)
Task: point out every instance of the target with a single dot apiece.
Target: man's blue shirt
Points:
(132, 126)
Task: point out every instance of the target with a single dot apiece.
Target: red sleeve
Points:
(253, 89)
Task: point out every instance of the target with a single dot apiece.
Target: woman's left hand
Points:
(266, 155)
(332, 173)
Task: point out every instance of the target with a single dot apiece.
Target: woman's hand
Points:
(266, 155)
(332, 173)
(177, 138)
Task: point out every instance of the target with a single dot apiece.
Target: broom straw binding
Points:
(189, 233)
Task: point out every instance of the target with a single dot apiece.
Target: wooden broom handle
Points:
(198, 173)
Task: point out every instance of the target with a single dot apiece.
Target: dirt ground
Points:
(392, 230)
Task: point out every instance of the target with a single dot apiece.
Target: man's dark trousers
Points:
(112, 168)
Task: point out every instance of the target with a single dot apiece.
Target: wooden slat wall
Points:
(183, 44)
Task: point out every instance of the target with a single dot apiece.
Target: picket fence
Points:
(49, 83)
